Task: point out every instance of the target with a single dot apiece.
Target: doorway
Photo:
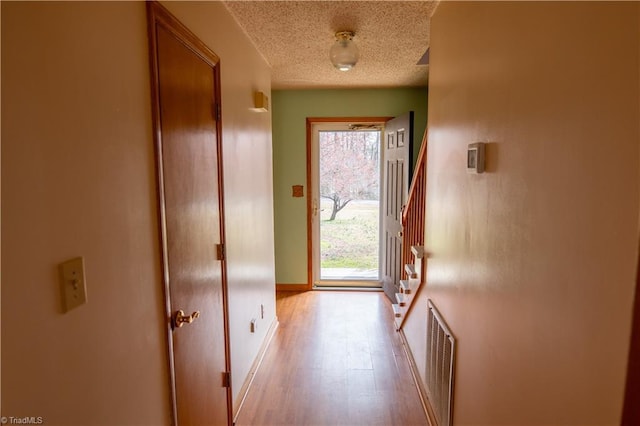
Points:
(186, 97)
(345, 191)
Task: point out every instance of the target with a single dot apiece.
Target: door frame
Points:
(158, 15)
(310, 123)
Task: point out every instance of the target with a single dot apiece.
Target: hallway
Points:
(335, 359)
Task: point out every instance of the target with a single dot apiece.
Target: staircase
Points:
(409, 287)
(412, 239)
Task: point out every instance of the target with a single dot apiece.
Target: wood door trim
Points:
(158, 15)
(310, 122)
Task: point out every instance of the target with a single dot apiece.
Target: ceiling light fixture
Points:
(344, 52)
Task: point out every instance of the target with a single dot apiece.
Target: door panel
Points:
(332, 278)
(397, 154)
(191, 207)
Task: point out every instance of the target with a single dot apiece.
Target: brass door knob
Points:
(180, 319)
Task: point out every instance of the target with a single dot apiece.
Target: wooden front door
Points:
(398, 147)
(186, 83)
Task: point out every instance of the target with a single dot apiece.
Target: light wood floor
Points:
(336, 359)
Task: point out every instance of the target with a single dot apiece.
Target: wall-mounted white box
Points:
(475, 157)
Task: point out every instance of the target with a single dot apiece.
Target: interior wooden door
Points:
(398, 148)
(190, 178)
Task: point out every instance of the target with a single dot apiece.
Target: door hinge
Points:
(220, 251)
(226, 379)
(217, 112)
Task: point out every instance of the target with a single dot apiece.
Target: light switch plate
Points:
(74, 288)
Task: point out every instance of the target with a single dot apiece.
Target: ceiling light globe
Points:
(344, 53)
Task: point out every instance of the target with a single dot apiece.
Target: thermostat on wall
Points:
(475, 157)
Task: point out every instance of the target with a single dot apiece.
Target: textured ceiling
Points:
(295, 37)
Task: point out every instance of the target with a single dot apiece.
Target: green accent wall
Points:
(290, 109)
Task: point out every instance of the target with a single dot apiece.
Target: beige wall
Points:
(532, 264)
(78, 179)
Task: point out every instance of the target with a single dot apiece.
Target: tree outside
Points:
(349, 167)
(350, 191)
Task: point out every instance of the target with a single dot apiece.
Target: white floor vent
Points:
(440, 366)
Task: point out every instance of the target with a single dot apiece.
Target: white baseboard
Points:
(422, 391)
(244, 390)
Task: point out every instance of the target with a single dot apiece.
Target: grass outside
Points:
(351, 240)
